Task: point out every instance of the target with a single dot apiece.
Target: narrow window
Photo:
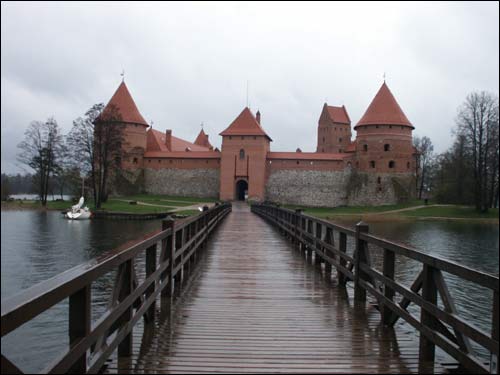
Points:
(230, 137)
(357, 164)
(135, 160)
(365, 147)
(390, 126)
(340, 140)
(323, 139)
(387, 147)
(408, 165)
(242, 137)
(242, 154)
(254, 137)
(379, 180)
(392, 164)
(376, 126)
(372, 164)
(298, 162)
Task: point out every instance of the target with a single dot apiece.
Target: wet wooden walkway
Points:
(256, 306)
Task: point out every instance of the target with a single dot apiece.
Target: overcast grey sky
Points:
(187, 63)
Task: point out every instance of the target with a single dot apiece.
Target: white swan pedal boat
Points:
(77, 212)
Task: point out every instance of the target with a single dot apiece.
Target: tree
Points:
(42, 150)
(96, 140)
(477, 122)
(6, 191)
(425, 151)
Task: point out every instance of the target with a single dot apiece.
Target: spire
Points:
(202, 139)
(245, 124)
(125, 105)
(384, 110)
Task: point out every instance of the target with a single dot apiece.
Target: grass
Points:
(119, 204)
(383, 212)
(452, 211)
(324, 212)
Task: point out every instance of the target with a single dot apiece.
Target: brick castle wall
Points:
(201, 183)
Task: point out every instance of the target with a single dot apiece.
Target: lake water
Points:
(37, 245)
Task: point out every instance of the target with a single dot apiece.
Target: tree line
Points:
(90, 152)
(467, 173)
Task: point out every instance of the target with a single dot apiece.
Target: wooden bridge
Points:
(288, 297)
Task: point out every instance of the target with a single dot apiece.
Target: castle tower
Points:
(202, 140)
(334, 130)
(122, 106)
(243, 158)
(384, 137)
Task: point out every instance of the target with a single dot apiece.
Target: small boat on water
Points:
(77, 212)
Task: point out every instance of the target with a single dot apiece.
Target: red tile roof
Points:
(305, 156)
(183, 154)
(384, 110)
(338, 114)
(202, 140)
(245, 124)
(125, 105)
(156, 142)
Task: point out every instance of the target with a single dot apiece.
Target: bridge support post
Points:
(79, 324)
(427, 350)
(360, 256)
(151, 268)
(343, 248)
(125, 347)
(168, 254)
(329, 240)
(388, 271)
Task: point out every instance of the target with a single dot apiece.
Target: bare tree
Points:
(42, 150)
(477, 122)
(96, 140)
(425, 151)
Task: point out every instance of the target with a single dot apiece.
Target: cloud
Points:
(187, 63)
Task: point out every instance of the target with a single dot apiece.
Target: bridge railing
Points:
(91, 344)
(441, 326)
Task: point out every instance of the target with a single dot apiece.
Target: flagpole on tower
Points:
(123, 75)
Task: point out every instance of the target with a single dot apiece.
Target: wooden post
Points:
(359, 257)
(426, 346)
(494, 333)
(168, 291)
(329, 241)
(179, 242)
(151, 268)
(125, 347)
(388, 271)
(317, 247)
(343, 248)
(79, 325)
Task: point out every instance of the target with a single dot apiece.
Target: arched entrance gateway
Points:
(241, 190)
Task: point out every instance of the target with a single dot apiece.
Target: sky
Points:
(191, 63)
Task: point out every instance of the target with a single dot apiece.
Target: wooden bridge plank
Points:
(256, 306)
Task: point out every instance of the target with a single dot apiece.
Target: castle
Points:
(378, 167)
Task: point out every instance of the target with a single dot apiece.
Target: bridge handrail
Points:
(316, 235)
(177, 240)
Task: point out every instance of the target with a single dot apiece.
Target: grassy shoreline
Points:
(410, 211)
(143, 204)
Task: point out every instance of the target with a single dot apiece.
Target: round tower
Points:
(384, 137)
(121, 106)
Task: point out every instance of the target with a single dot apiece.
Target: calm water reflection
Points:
(38, 245)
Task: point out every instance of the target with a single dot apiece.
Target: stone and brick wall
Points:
(307, 187)
(201, 182)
